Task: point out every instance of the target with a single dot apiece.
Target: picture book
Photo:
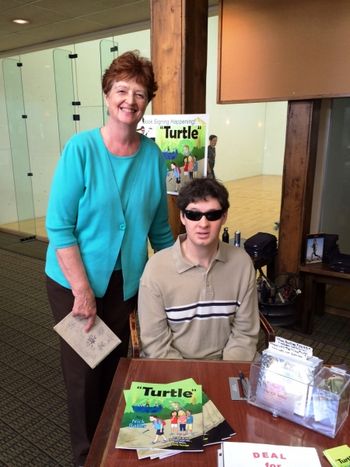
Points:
(216, 429)
(162, 416)
(338, 456)
(92, 346)
(255, 454)
(183, 141)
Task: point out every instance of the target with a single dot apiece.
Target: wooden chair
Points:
(268, 330)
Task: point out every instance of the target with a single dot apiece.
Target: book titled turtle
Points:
(162, 416)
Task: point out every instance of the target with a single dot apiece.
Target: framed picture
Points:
(314, 248)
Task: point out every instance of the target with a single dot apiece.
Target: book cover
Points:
(216, 429)
(255, 454)
(338, 456)
(162, 416)
(92, 346)
(183, 141)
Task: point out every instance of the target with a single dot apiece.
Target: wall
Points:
(250, 136)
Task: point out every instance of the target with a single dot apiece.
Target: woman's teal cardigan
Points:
(85, 209)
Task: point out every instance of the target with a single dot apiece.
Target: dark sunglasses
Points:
(197, 215)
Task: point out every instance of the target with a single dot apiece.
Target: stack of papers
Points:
(161, 420)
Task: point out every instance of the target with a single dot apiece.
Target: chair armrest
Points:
(135, 343)
(267, 328)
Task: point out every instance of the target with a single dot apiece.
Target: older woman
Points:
(108, 197)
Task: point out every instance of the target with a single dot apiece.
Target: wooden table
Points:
(251, 423)
(315, 277)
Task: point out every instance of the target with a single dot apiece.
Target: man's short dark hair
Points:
(201, 189)
(212, 137)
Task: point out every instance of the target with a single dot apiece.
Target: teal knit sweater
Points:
(85, 209)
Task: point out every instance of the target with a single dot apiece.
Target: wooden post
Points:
(179, 30)
(298, 181)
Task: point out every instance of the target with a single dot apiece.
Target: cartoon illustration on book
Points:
(189, 422)
(204, 426)
(162, 416)
(158, 425)
(173, 423)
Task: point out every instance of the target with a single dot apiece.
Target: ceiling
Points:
(67, 21)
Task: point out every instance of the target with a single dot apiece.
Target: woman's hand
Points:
(85, 306)
(73, 268)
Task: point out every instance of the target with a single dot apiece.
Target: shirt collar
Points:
(182, 264)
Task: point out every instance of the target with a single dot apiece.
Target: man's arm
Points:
(243, 339)
(156, 336)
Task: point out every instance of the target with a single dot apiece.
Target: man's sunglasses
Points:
(197, 215)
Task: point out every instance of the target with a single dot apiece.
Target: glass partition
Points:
(108, 52)
(16, 116)
(63, 71)
(335, 206)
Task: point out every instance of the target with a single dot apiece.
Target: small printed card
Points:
(92, 346)
(338, 456)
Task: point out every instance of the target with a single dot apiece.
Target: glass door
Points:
(335, 206)
(22, 173)
(65, 97)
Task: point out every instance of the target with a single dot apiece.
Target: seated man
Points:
(198, 298)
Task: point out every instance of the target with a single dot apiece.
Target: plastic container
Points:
(317, 405)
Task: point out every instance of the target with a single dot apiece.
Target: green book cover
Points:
(338, 456)
(215, 430)
(162, 416)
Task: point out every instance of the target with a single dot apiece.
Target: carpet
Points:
(33, 412)
(31, 247)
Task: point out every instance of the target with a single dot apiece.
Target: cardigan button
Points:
(122, 226)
